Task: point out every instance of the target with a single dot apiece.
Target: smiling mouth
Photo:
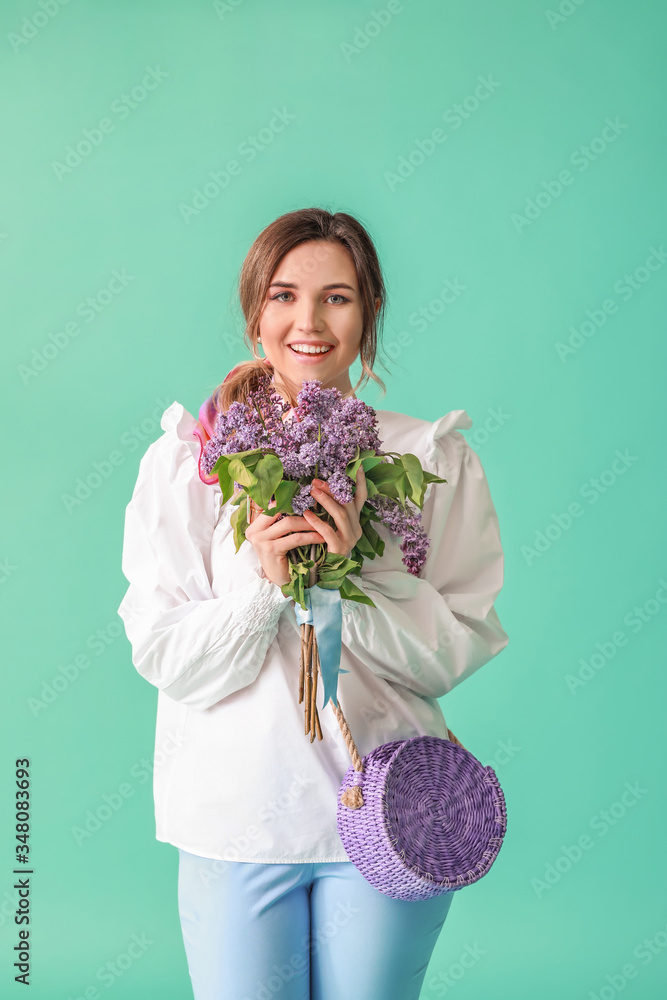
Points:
(311, 352)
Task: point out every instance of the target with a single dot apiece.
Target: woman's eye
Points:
(334, 295)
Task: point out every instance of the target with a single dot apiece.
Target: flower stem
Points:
(259, 413)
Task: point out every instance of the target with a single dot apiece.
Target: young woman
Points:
(270, 905)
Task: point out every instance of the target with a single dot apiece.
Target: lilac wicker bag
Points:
(418, 817)
(421, 816)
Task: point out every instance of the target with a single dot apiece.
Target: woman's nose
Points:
(309, 319)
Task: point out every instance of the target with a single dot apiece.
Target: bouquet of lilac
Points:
(262, 450)
(267, 454)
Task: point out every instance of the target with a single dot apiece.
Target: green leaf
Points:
(415, 474)
(334, 560)
(389, 490)
(331, 583)
(295, 588)
(221, 467)
(291, 590)
(350, 592)
(365, 544)
(352, 468)
(242, 475)
(284, 494)
(369, 513)
(400, 485)
(239, 522)
(371, 537)
(219, 463)
(370, 459)
(429, 477)
(372, 544)
(330, 577)
(385, 472)
(268, 475)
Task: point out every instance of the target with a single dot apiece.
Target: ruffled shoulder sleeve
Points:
(171, 508)
(443, 438)
(193, 432)
(466, 556)
(432, 631)
(454, 420)
(195, 647)
(182, 424)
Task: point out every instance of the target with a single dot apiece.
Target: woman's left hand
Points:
(346, 516)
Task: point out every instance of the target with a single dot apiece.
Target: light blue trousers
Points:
(301, 932)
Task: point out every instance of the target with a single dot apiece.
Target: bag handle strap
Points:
(351, 797)
(308, 689)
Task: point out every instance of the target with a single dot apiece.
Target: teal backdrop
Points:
(509, 161)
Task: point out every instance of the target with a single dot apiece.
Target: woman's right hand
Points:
(271, 540)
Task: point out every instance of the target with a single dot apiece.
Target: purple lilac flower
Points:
(318, 438)
(407, 523)
(342, 424)
(342, 487)
(302, 500)
(245, 426)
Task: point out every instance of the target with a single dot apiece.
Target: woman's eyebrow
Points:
(291, 284)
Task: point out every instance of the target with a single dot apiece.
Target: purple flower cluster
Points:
(318, 438)
(325, 431)
(256, 424)
(402, 521)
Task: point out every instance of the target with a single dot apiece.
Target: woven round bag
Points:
(421, 816)
(418, 817)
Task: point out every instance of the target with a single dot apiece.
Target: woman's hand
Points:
(272, 539)
(346, 516)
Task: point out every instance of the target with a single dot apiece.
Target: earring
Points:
(259, 340)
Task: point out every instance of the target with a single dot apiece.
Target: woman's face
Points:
(313, 300)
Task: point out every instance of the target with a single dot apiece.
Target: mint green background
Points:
(175, 331)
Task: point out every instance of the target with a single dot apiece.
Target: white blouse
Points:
(235, 776)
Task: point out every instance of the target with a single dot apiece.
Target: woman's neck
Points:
(281, 392)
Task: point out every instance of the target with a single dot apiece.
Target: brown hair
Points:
(269, 248)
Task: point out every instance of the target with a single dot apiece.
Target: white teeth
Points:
(305, 349)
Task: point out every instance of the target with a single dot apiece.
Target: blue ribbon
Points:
(324, 613)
